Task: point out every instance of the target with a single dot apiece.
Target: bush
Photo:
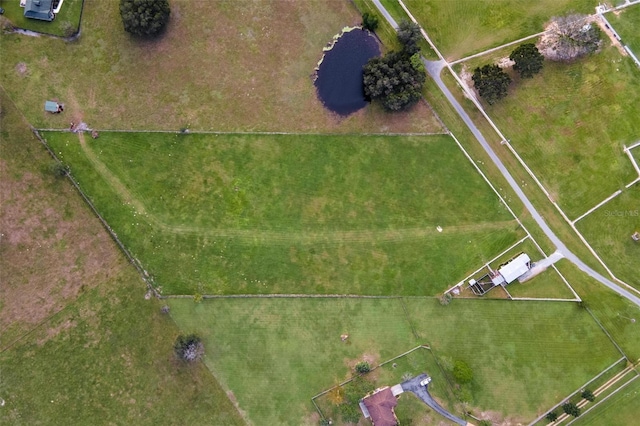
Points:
(188, 348)
(462, 373)
(588, 395)
(571, 409)
(363, 367)
(144, 17)
(59, 169)
(369, 21)
(551, 416)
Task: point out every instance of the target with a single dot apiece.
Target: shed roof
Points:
(51, 106)
(39, 9)
(380, 406)
(515, 268)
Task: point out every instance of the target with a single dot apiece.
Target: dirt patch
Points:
(466, 77)
(498, 419)
(21, 69)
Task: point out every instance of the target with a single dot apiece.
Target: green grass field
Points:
(293, 214)
(461, 28)
(609, 231)
(523, 361)
(574, 146)
(626, 25)
(619, 410)
(219, 66)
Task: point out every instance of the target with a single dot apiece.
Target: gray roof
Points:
(39, 9)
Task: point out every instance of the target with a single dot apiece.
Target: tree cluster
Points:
(528, 60)
(396, 79)
(369, 21)
(571, 37)
(144, 17)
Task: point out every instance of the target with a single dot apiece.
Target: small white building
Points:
(515, 268)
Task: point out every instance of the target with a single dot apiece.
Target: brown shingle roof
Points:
(380, 406)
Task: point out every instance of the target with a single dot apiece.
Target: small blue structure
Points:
(53, 107)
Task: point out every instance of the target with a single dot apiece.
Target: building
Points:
(379, 407)
(39, 9)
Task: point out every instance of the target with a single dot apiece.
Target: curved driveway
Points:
(413, 386)
(434, 68)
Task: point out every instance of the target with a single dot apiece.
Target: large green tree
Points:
(409, 35)
(144, 17)
(528, 60)
(491, 83)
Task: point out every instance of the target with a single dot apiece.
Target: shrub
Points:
(551, 416)
(588, 395)
(59, 169)
(188, 348)
(462, 373)
(363, 367)
(369, 21)
(144, 17)
(571, 409)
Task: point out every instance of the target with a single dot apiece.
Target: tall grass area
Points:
(570, 123)
(525, 356)
(293, 214)
(609, 229)
(461, 28)
(626, 24)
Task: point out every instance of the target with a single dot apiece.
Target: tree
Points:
(570, 37)
(189, 348)
(363, 367)
(571, 409)
(462, 373)
(551, 416)
(409, 35)
(528, 60)
(144, 17)
(369, 21)
(588, 395)
(491, 83)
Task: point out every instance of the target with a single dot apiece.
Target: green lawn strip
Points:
(187, 259)
(528, 185)
(578, 158)
(274, 355)
(620, 409)
(626, 24)
(523, 361)
(610, 309)
(242, 74)
(462, 28)
(108, 358)
(609, 229)
(65, 24)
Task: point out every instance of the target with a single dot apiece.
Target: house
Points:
(39, 9)
(379, 407)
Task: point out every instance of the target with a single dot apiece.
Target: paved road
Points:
(434, 68)
(413, 386)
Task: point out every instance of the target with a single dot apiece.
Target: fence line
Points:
(244, 133)
(143, 274)
(605, 398)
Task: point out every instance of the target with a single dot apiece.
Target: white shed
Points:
(515, 268)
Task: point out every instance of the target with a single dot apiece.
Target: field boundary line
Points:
(605, 398)
(631, 157)
(543, 299)
(630, 184)
(248, 133)
(493, 49)
(600, 204)
(577, 390)
(607, 333)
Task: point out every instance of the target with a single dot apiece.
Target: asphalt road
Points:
(413, 386)
(434, 68)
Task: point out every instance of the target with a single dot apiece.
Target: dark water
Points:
(339, 81)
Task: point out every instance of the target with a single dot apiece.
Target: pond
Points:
(339, 75)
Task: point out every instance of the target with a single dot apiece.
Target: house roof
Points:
(39, 9)
(380, 406)
(515, 268)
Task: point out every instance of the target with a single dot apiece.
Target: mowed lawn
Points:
(621, 409)
(220, 65)
(609, 229)
(293, 214)
(461, 28)
(626, 24)
(570, 124)
(275, 354)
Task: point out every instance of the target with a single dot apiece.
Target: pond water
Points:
(339, 76)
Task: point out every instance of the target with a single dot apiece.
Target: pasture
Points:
(227, 214)
(626, 24)
(77, 336)
(574, 146)
(462, 28)
(609, 229)
(220, 65)
(620, 409)
(275, 354)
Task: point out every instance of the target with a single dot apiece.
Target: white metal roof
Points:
(514, 269)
